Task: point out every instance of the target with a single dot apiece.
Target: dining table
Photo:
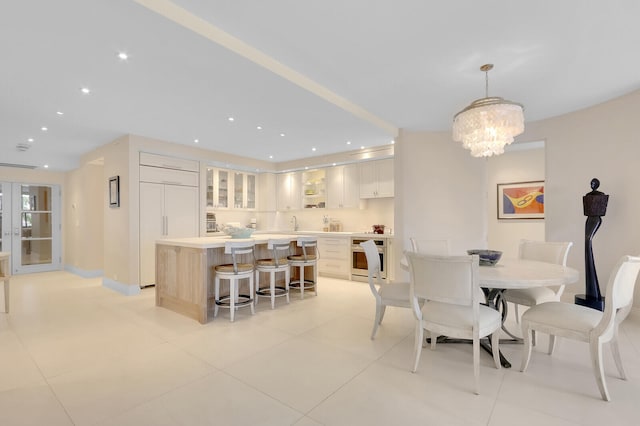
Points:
(509, 274)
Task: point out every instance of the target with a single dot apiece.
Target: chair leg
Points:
(495, 348)
(515, 311)
(552, 344)
(596, 360)
(434, 339)
(382, 311)
(476, 365)
(417, 345)
(615, 350)
(272, 288)
(216, 293)
(252, 292)
(533, 337)
(257, 287)
(526, 350)
(287, 277)
(233, 292)
(302, 282)
(377, 319)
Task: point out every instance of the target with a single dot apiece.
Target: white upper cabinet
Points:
(228, 189)
(376, 179)
(267, 199)
(165, 162)
(289, 191)
(343, 189)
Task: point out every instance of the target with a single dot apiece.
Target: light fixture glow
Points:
(231, 119)
(85, 90)
(489, 124)
(123, 56)
(334, 164)
(313, 149)
(44, 128)
(362, 147)
(30, 140)
(282, 134)
(46, 166)
(259, 127)
(196, 140)
(271, 156)
(59, 112)
(348, 142)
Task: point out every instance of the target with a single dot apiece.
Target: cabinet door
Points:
(350, 187)
(385, 178)
(181, 211)
(268, 200)
(289, 192)
(250, 197)
(238, 190)
(221, 189)
(368, 180)
(151, 228)
(335, 187)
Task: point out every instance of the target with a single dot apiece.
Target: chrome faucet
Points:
(294, 221)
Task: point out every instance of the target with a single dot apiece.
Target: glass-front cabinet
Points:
(314, 189)
(230, 189)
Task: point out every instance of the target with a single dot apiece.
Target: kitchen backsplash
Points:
(374, 211)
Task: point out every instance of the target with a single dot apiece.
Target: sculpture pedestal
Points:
(590, 302)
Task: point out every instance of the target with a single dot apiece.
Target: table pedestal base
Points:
(484, 344)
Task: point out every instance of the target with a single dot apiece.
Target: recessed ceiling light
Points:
(123, 56)
(30, 140)
(348, 142)
(281, 134)
(259, 127)
(313, 149)
(46, 166)
(334, 164)
(393, 141)
(44, 128)
(362, 147)
(306, 167)
(231, 119)
(59, 112)
(85, 90)
(271, 156)
(196, 141)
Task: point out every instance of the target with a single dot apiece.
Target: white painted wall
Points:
(440, 192)
(513, 166)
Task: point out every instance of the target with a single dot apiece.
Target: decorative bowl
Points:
(487, 257)
(238, 231)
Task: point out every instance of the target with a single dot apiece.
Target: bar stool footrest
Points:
(243, 300)
(266, 292)
(307, 284)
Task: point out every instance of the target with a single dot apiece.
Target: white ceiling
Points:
(354, 70)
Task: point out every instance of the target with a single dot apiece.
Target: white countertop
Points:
(217, 241)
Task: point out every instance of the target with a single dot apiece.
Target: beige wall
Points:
(513, 166)
(84, 221)
(600, 142)
(440, 192)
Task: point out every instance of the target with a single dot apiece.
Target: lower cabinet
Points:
(334, 257)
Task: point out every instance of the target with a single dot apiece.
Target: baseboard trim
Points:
(127, 290)
(83, 272)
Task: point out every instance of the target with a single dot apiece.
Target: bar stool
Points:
(277, 263)
(309, 257)
(234, 272)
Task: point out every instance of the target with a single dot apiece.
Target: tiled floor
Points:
(73, 352)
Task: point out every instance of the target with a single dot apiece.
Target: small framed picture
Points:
(521, 200)
(114, 191)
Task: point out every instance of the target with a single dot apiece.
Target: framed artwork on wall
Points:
(521, 200)
(114, 191)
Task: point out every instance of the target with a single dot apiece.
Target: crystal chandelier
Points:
(488, 124)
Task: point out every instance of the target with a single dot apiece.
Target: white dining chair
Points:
(586, 324)
(385, 293)
(541, 251)
(450, 288)
(439, 247)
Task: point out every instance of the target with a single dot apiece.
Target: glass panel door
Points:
(35, 227)
(238, 191)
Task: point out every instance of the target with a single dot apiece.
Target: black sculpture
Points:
(595, 206)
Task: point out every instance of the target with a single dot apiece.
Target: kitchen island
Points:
(184, 271)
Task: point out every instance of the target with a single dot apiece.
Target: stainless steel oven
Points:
(359, 259)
